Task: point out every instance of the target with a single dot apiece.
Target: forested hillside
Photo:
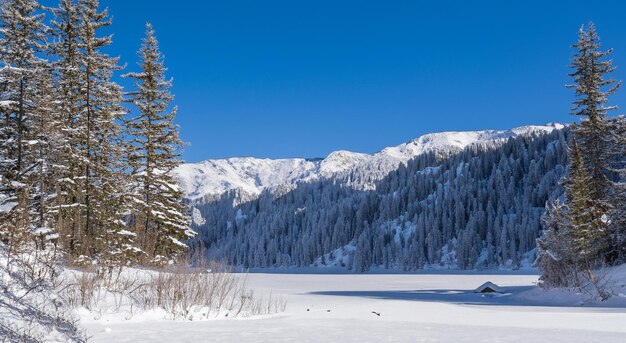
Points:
(475, 208)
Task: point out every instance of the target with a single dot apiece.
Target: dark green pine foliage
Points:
(160, 217)
(49, 137)
(587, 229)
(591, 220)
(592, 89)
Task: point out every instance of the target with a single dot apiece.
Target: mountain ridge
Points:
(254, 175)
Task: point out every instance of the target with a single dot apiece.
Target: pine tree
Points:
(93, 186)
(160, 218)
(48, 135)
(588, 230)
(592, 89)
(21, 45)
(67, 27)
(98, 139)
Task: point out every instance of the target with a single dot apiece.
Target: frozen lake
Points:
(412, 308)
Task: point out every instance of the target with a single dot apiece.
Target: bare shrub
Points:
(79, 288)
(30, 311)
(596, 284)
(208, 290)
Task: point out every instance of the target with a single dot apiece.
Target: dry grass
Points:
(209, 291)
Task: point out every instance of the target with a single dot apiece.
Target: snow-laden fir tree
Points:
(100, 141)
(67, 26)
(160, 218)
(594, 193)
(48, 135)
(22, 68)
(592, 88)
(94, 203)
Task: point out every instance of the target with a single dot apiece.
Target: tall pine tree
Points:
(67, 27)
(160, 217)
(93, 185)
(592, 88)
(587, 229)
(22, 43)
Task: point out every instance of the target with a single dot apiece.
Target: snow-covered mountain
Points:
(253, 175)
(462, 200)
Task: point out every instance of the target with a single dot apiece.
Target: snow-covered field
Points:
(413, 308)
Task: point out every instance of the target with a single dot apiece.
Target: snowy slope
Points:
(253, 175)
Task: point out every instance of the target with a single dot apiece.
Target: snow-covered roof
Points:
(489, 287)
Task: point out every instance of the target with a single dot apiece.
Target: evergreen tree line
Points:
(476, 208)
(78, 167)
(586, 229)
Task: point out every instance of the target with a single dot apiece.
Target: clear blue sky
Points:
(304, 78)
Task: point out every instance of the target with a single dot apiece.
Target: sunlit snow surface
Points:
(413, 308)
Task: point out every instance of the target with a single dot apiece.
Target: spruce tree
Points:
(100, 141)
(587, 229)
(21, 44)
(67, 27)
(48, 135)
(160, 217)
(592, 88)
(94, 201)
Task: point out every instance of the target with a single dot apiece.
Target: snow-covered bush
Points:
(556, 256)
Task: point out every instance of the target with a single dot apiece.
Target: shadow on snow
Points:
(511, 296)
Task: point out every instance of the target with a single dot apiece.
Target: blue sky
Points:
(303, 78)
